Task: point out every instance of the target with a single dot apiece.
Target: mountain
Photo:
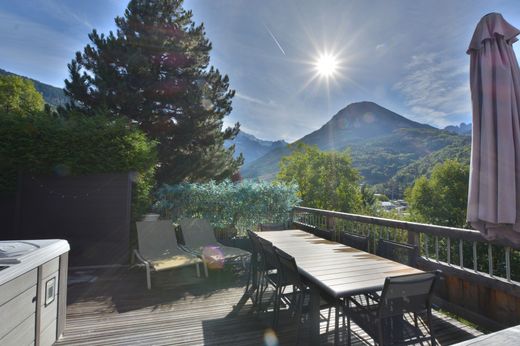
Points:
(381, 142)
(52, 95)
(462, 129)
(251, 147)
(460, 151)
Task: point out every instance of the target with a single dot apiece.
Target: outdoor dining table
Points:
(332, 268)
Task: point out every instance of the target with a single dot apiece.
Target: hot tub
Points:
(33, 291)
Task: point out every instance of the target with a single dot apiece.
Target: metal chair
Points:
(384, 321)
(270, 269)
(255, 275)
(354, 240)
(290, 276)
(399, 252)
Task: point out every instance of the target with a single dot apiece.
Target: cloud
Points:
(381, 46)
(34, 49)
(67, 12)
(436, 88)
(251, 99)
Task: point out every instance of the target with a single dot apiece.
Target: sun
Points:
(326, 65)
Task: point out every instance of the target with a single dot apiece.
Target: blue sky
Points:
(408, 56)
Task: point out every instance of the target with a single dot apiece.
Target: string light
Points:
(72, 196)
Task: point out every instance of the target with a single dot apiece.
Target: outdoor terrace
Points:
(117, 309)
(113, 306)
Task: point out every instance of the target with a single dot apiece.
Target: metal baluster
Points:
(427, 252)
(437, 248)
(490, 259)
(375, 236)
(368, 235)
(461, 254)
(387, 234)
(475, 262)
(395, 233)
(449, 250)
(508, 263)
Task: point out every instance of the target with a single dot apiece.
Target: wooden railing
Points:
(481, 278)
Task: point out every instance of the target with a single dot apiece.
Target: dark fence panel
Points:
(92, 212)
(7, 216)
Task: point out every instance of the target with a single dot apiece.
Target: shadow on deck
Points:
(115, 308)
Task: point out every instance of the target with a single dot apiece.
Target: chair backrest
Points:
(288, 269)
(407, 293)
(197, 232)
(399, 252)
(156, 239)
(265, 227)
(256, 247)
(354, 240)
(268, 255)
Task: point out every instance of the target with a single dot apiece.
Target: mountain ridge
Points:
(381, 142)
(252, 147)
(52, 95)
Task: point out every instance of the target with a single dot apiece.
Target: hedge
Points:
(243, 204)
(46, 145)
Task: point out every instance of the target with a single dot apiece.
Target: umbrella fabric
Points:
(494, 189)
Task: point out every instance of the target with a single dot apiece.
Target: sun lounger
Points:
(199, 239)
(158, 249)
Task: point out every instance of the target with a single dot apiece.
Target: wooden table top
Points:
(337, 269)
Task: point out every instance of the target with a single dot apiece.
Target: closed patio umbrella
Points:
(494, 186)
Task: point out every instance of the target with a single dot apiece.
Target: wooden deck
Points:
(115, 308)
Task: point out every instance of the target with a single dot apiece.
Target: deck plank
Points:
(117, 309)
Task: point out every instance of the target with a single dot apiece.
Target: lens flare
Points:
(270, 338)
(213, 257)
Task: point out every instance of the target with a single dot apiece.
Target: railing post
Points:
(413, 239)
(331, 226)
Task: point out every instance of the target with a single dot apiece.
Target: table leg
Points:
(315, 315)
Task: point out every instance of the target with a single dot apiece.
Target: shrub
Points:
(243, 205)
(46, 145)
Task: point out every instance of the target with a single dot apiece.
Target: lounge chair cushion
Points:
(174, 262)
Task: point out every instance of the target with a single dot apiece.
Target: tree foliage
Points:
(442, 198)
(44, 145)
(243, 204)
(459, 151)
(18, 96)
(155, 71)
(326, 180)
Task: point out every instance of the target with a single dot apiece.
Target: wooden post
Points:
(331, 226)
(413, 239)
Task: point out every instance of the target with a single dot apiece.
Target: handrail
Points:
(446, 242)
(471, 264)
(435, 230)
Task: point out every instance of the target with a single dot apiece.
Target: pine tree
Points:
(155, 71)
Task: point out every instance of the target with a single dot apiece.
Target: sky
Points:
(407, 56)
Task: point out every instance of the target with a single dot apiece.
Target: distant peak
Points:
(368, 113)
